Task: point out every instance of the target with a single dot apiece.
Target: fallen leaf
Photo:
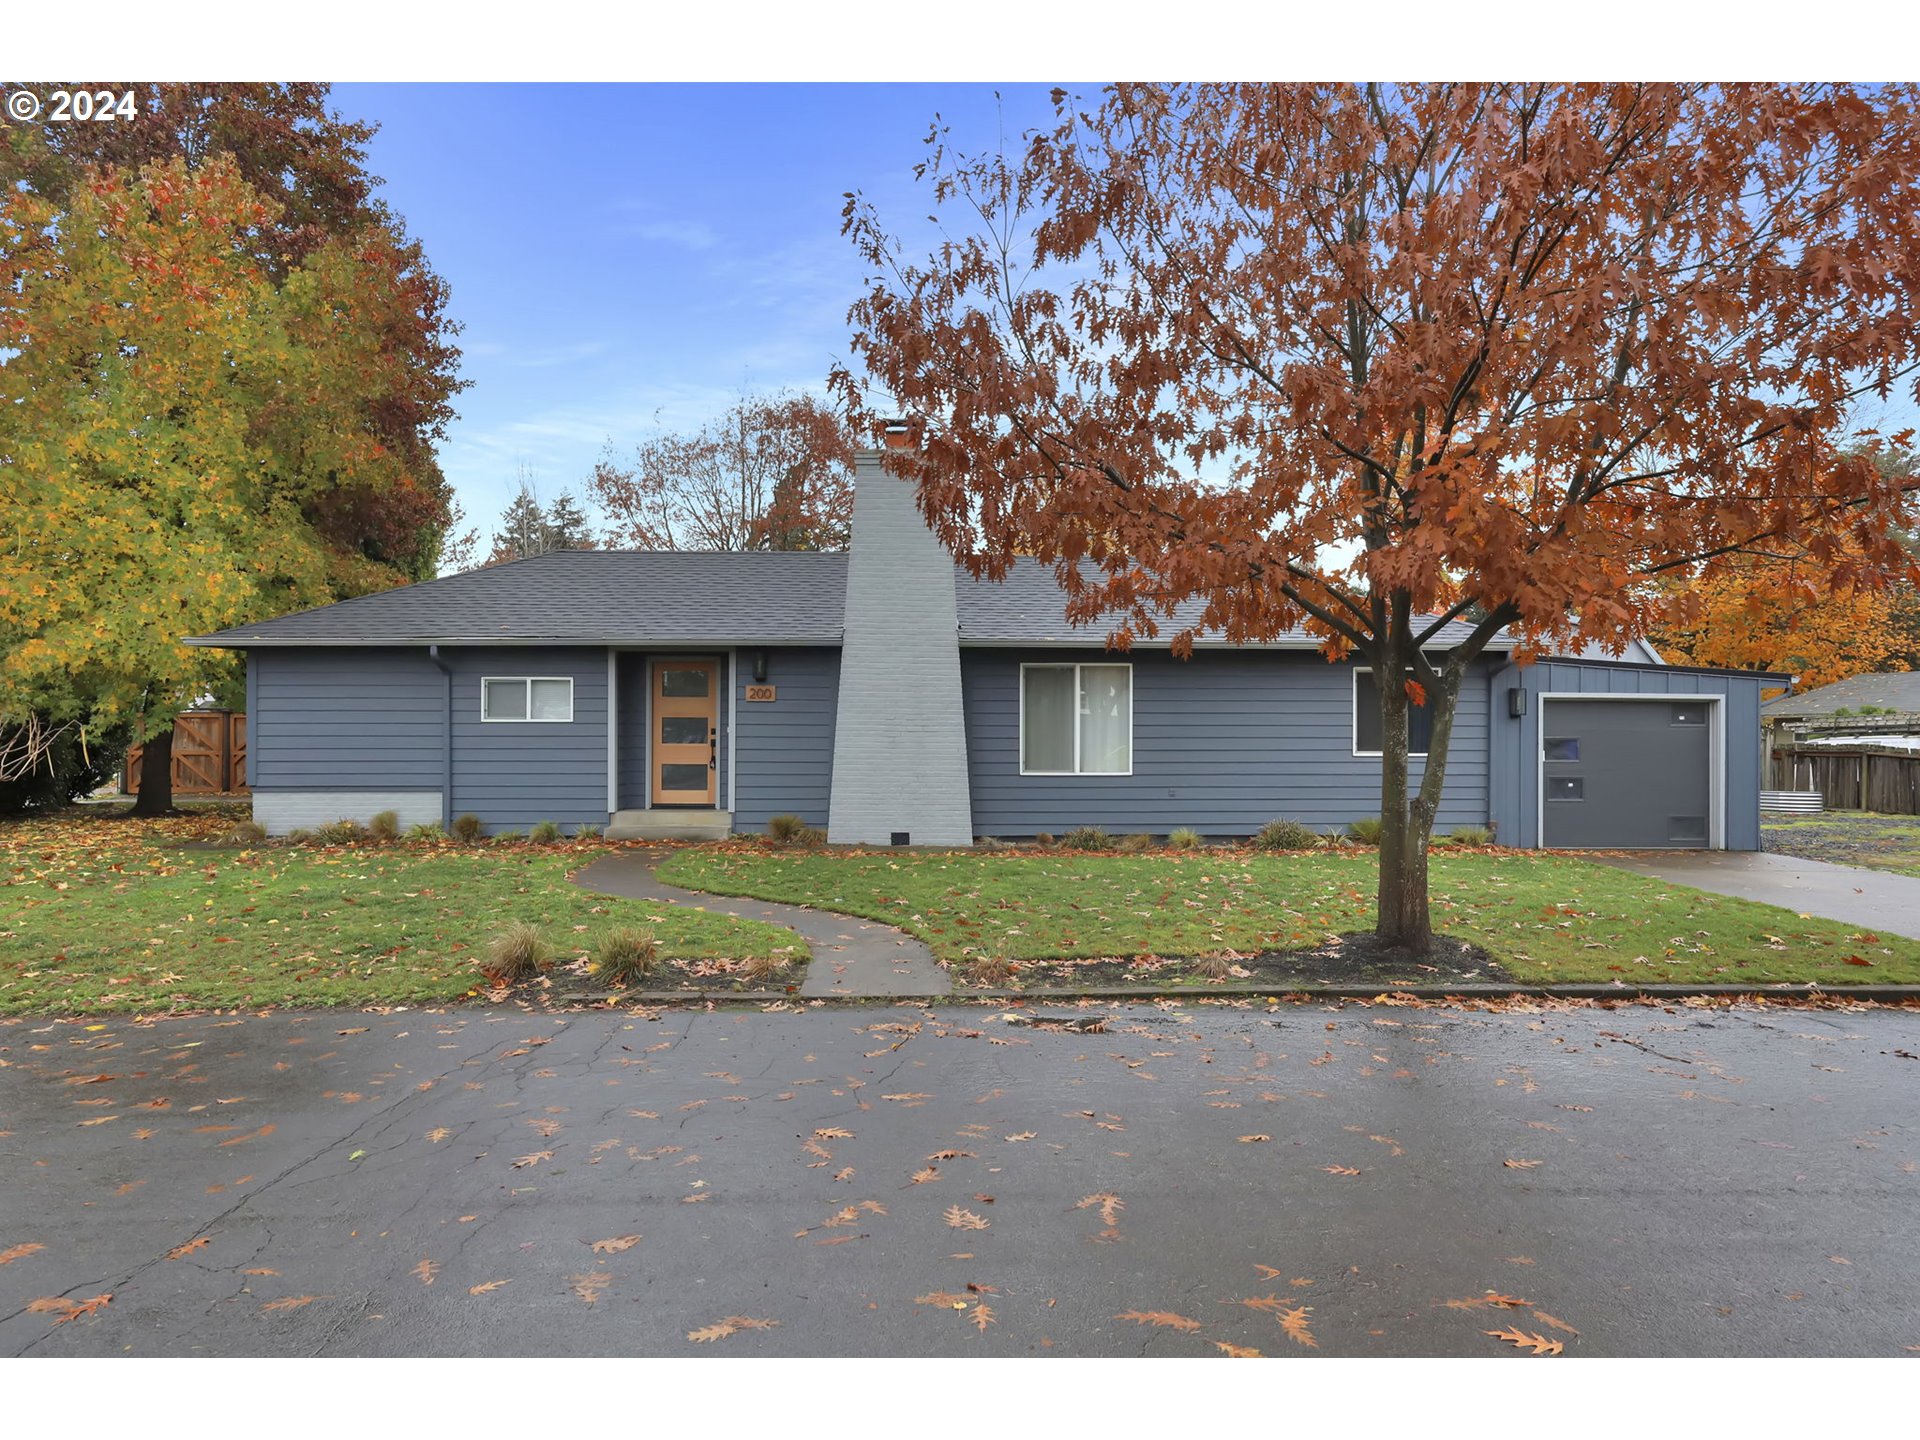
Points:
(292, 1302)
(19, 1252)
(1238, 1352)
(965, 1219)
(590, 1287)
(488, 1287)
(425, 1271)
(1519, 1164)
(1164, 1318)
(1294, 1323)
(1255, 1139)
(615, 1245)
(1539, 1344)
(180, 1252)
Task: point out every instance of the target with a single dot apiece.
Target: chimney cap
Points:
(894, 434)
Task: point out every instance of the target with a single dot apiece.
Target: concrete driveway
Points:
(1204, 1181)
(1872, 899)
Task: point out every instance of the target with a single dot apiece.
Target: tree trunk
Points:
(1403, 918)
(156, 775)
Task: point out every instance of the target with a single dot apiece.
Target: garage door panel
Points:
(1626, 774)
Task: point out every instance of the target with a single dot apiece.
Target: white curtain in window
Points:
(1106, 719)
(1047, 707)
(552, 699)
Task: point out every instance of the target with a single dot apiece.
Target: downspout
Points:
(446, 742)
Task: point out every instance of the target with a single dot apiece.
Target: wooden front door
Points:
(686, 732)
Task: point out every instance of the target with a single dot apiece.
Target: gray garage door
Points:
(1626, 774)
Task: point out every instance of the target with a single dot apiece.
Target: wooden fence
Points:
(209, 755)
(1883, 780)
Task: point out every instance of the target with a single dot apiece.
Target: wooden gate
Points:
(209, 754)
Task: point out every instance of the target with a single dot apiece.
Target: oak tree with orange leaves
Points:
(1377, 358)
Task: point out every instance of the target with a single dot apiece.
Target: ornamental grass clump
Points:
(467, 828)
(1184, 838)
(1086, 837)
(1473, 835)
(545, 833)
(385, 825)
(245, 832)
(1366, 830)
(426, 833)
(989, 971)
(517, 953)
(761, 969)
(1285, 835)
(625, 955)
(1213, 967)
(785, 829)
(1135, 844)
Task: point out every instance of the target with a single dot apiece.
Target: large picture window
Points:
(1076, 719)
(1366, 718)
(522, 697)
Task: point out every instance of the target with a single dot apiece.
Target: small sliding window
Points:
(527, 698)
(1076, 719)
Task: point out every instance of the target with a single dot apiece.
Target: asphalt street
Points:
(1302, 1182)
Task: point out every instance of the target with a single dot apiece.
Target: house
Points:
(1888, 701)
(889, 697)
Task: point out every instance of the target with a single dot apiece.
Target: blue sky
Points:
(626, 257)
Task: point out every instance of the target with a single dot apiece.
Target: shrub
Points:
(300, 837)
(1366, 830)
(989, 970)
(467, 828)
(518, 952)
(988, 842)
(1470, 835)
(1043, 838)
(545, 833)
(1086, 837)
(244, 832)
(427, 831)
(340, 832)
(1213, 967)
(1285, 835)
(784, 829)
(626, 955)
(1185, 839)
(811, 837)
(385, 825)
(1135, 844)
(762, 968)
(586, 832)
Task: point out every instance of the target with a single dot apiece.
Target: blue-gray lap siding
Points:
(1222, 743)
(376, 719)
(1514, 790)
(783, 748)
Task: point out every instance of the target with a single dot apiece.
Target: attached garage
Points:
(1627, 774)
(1613, 755)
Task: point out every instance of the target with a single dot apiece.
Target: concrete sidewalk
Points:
(851, 957)
(1873, 899)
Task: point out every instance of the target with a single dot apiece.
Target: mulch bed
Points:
(1355, 958)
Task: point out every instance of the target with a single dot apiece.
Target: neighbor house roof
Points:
(639, 597)
(1898, 690)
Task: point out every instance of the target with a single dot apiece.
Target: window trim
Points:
(529, 718)
(1353, 720)
(1076, 666)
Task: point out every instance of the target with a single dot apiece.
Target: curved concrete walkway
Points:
(1872, 899)
(850, 956)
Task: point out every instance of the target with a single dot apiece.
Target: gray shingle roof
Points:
(1899, 690)
(640, 597)
(1028, 608)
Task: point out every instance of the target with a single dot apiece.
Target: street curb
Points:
(1886, 994)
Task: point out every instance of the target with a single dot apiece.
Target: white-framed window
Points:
(545, 699)
(1076, 719)
(1366, 718)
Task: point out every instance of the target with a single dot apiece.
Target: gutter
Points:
(446, 742)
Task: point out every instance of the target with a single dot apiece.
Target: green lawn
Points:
(101, 914)
(1848, 837)
(1543, 917)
